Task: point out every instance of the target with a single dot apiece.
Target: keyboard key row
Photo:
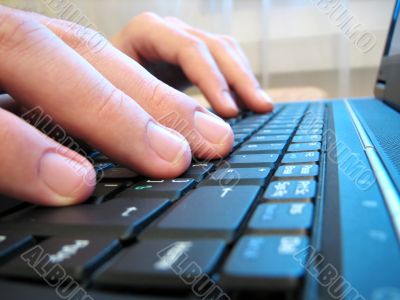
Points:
(295, 189)
(261, 148)
(216, 210)
(301, 147)
(253, 160)
(121, 218)
(264, 262)
(75, 257)
(242, 176)
(287, 171)
(163, 263)
(301, 157)
(278, 217)
(171, 189)
(260, 139)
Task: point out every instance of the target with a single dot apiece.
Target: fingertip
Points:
(261, 103)
(166, 143)
(71, 180)
(230, 107)
(225, 106)
(168, 154)
(218, 136)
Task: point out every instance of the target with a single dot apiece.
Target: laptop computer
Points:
(306, 206)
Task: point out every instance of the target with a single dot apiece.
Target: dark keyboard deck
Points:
(225, 227)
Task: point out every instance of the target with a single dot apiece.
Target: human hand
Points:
(102, 97)
(179, 54)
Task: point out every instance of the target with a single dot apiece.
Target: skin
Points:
(115, 98)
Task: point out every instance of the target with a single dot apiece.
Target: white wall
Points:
(279, 36)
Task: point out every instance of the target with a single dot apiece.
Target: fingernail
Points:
(213, 129)
(230, 102)
(64, 175)
(263, 96)
(169, 146)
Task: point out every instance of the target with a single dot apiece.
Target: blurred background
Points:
(295, 46)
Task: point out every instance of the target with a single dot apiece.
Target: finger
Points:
(209, 136)
(236, 70)
(155, 39)
(234, 65)
(235, 46)
(45, 172)
(81, 100)
(237, 49)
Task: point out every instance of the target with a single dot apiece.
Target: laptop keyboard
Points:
(225, 227)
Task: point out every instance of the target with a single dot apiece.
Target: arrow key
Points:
(172, 189)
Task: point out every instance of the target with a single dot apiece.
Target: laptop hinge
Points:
(380, 89)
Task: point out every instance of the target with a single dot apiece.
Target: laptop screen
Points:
(388, 83)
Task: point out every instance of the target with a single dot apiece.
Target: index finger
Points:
(38, 69)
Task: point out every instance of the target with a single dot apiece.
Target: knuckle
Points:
(229, 39)
(107, 100)
(16, 29)
(158, 98)
(172, 19)
(147, 16)
(144, 21)
(193, 43)
(80, 38)
(220, 43)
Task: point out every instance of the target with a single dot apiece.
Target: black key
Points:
(231, 121)
(275, 131)
(11, 244)
(241, 176)
(18, 290)
(163, 263)
(275, 217)
(294, 189)
(239, 140)
(280, 126)
(253, 160)
(307, 138)
(312, 126)
(119, 218)
(75, 257)
(301, 157)
(258, 139)
(283, 122)
(100, 168)
(244, 130)
(198, 171)
(118, 173)
(211, 209)
(172, 189)
(261, 148)
(312, 121)
(301, 147)
(236, 144)
(241, 136)
(251, 122)
(263, 117)
(297, 171)
(101, 158)
(106, 190)
(287, 120)
(248, 125)
(9, 205)
(264, 262)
